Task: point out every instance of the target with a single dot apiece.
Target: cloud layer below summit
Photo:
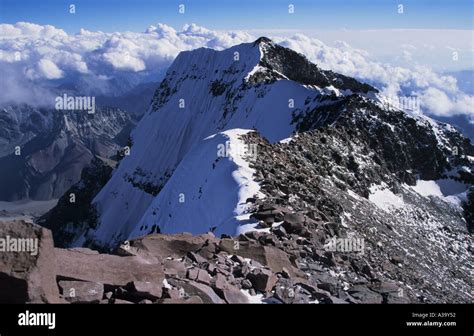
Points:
(34, 58)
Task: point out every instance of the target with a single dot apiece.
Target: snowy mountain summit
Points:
(254, 86)
(256, 137)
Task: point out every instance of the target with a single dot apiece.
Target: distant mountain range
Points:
(43, 151)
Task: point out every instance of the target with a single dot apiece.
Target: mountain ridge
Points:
(189, 106)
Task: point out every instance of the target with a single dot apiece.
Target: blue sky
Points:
(137, 15)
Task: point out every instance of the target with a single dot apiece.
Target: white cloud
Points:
(31, 54)
(49, 70)
(105, 52)
(439, 103)
(439, 94)
(30, 30)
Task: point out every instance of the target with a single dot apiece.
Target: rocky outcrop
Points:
(253, 267)
(27, 274)
(281, 62)
(319, 190)
(84, 264)
(81, 291)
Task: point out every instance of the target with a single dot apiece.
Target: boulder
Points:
(269, 256)
(325, 281)
(145, 290)
(279, 231)
(171, 293)
(81, 291)
(234, 295)
(262, 280)
(203, 277)
(227, 291)
(295, 223)
(120, 301)
(196, 258)
(385, 287)
(192, 273)
(172, 245)
(188, 300)
(364, 295)
(174, 268)
(319, 294)
(27, 264)
(106, 269)
(192, 288)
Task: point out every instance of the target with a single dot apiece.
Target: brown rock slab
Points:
(27, 264)
(188, 300)
(269, 256)
(203, 277)
(120, 301)
(146, 290)
(192, 273)
(174, 268)
(171, 245)
(192, 288)
(106, 269)
(234, 295)
(81, 291)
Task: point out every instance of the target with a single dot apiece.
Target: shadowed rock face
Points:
(298, 68)
(54, 147)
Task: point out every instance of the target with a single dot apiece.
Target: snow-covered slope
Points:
(174, 181)
(206, 92)
(204, 190)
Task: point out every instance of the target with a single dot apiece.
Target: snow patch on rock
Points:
(384, 198)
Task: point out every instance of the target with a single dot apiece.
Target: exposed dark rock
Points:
(262, 280)
(146, 290)
(69, 220)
